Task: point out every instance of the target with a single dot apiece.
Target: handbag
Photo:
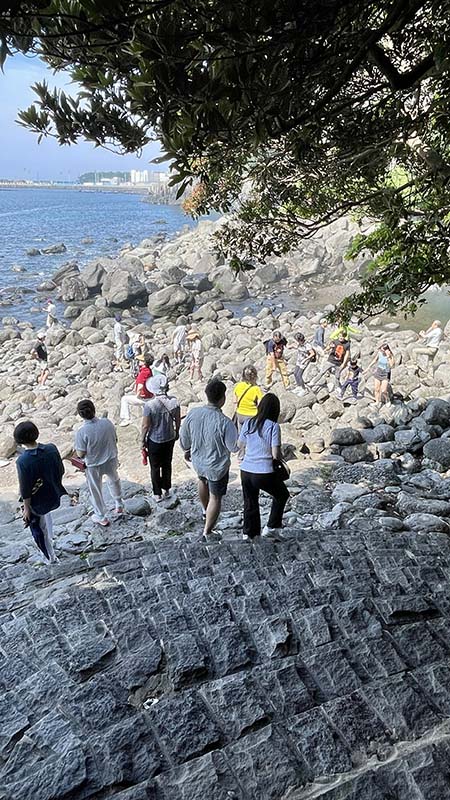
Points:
(281, 469)
(78, 463)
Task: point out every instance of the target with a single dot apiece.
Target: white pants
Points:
(119, 350)
(46, 523)
(94, 478)
(125, 403)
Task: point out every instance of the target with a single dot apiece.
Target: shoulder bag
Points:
(234, 418)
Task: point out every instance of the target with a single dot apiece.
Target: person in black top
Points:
(39, 352)
(351, 378)
(40, 471)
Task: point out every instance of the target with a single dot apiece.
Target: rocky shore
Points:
(148, 665)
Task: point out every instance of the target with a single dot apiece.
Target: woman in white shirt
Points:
(196, 348)
(261, 437)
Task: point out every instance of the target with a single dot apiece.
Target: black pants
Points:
(252, 484)
(160, 456)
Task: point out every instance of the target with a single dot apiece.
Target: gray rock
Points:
(412, 504)
(380, 433)
(122, 289)
(171, 301)
(346, 436)
(54, 249)
(391, 523)
(74, 290)
(8, 446)
(93, 276)
(438, 450)
(437, 412)
(138, 506)
(230, 286)
(426, 522)
(33, 251)
(356, 452)
(87, 319)
(197, 282)
(347, 492)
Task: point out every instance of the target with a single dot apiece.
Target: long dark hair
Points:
(268, 408)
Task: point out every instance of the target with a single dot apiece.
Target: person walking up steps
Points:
(261, 437)
(96, 443)
(40, 472)
(275, 359)
(208, 437)
(160, 429)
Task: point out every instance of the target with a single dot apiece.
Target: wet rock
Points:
(54, 249)
(33, 251)
(74, 290)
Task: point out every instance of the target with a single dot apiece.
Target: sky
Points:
(20, 154)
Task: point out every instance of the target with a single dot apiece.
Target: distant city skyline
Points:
(22, 158)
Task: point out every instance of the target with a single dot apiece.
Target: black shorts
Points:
(217, 488)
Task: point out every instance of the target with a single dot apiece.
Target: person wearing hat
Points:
(141, 393)
(196, 350)
(305, 355)
(39, 352)
(160, 427)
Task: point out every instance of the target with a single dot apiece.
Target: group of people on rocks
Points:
(207, 437)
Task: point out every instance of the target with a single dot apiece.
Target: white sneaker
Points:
(167, 493)
(124, 423)
(158, 498)
(245, 537)
(103, 521)
(274, 533)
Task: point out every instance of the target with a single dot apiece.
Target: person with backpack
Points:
(141, 392)
(261, 438)
(96, 444)
(40, 471)
(160, 429)
(275, 358)
(338, 356)
(305, 355)
(39, 352)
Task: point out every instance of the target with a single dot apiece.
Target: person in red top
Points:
(140, 395)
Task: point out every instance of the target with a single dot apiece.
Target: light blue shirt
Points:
(210, 436)
(258, 448)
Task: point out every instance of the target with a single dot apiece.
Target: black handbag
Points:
(281, 469)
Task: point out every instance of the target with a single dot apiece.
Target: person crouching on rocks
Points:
(40, 470)
(208, 437)
(197, 354)
(160, 429)
(141, 393)
(261, 437)
(96, 443)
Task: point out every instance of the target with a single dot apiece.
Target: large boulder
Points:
(438, 450)
(197, 282)
(87, 318)
(73, 289)
(122, 289)
(426, 523)
(171, 301)
(68, 270)
(346, 436)
(93, 276)
(437, 412)
(230, 286)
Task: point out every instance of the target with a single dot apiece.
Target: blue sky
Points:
(20, 154)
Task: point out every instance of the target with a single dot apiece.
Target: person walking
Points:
(246, 395)
(429, 344)
(39, 352)
(305, 355)
(160, 429)
(40, 471)
(50, 310)
(261, 437)
(275, 360)
(208, 437)
(119, 340)
(197, 354)
(96, 444)
(351, 377)
(141, 392)
(179, 340)
(318, 342)
(338, 358)
(383, 362)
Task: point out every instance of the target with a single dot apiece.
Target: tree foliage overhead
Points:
(288, 113)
